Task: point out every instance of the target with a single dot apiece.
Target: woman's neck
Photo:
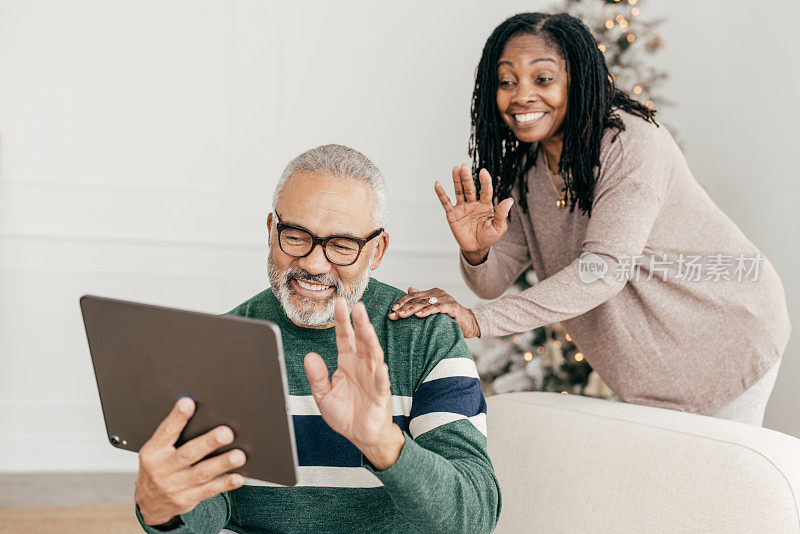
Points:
(552, 148)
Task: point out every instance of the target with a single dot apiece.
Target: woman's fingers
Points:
(467, 183)
(406, 298)
(449, 309)
(501, 213)
(415, 302)
(443, 198)
(457, 185)
(486, 186)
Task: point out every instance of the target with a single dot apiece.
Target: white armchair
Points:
(568, 463)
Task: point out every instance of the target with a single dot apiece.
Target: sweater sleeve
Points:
(208, 517)
(627, 200)
(443, 481)
(507, 259)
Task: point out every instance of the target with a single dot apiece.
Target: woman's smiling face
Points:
(532, 84)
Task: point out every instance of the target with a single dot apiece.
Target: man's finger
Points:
(457, 186)
(210, 468)
(412, 290)
(215, 486)
(317, 374)
(382, 383)
(486, 186)
(169, 430)
(467, 183)
(345, 337)
(366, 339)
(198, 448)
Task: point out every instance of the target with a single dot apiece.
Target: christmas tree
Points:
(546, 359)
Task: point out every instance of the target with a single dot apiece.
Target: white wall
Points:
(140, 142)
(735, 77)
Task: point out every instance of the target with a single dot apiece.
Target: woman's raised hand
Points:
(475, 222)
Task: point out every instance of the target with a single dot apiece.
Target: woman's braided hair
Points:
(590, 98)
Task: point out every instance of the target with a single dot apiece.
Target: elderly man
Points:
(394, 441)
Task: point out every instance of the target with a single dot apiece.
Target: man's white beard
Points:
(308, 313)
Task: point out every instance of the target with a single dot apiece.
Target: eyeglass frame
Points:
(323, 241)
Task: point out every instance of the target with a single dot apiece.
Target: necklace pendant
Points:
(560, 203)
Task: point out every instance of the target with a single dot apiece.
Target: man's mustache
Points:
(324, 279)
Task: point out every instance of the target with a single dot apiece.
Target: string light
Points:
(637, 89)
(631, 38)
(578, 357)
(609, 24)
(564, 393)
(635, 11)
(539, 349)
(558, 343)
(632, 2)
(649, 103)
(528, 356)
(568, 337)
(602, 48)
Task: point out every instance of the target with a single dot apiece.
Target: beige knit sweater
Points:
(687, 338)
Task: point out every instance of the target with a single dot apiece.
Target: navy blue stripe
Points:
(455, 394)
(318, 444)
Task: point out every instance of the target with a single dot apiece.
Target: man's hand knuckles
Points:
(203, 472)
(185, 454)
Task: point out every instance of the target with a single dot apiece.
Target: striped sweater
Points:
(443, 480)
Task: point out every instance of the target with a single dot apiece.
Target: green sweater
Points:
(443, 480)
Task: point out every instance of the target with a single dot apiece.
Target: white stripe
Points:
(330, 477)
(306, 405)
(453, 367)
(423, 423)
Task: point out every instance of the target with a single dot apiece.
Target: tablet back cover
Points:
(145, 357)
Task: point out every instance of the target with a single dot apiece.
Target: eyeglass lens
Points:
(340, 250)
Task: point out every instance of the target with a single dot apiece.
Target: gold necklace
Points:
(560, 203)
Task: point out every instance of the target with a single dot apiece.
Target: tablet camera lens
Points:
(114, 440)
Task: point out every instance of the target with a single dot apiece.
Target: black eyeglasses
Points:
(338, 249)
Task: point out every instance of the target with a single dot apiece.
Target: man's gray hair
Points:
(343, 161)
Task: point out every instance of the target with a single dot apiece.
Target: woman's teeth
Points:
(529, 117)
(310, 286)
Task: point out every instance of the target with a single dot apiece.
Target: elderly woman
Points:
(663, 294)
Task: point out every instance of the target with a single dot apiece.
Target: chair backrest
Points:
(568, 463)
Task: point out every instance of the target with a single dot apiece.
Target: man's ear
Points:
(269, 227)
(380, 250)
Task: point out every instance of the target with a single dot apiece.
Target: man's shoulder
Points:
(430, 339)
(382, 295)
(383, 298)
(257, 307)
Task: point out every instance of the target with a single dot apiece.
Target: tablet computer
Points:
(145, 357)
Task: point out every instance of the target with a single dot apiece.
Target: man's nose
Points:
(315, 262)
